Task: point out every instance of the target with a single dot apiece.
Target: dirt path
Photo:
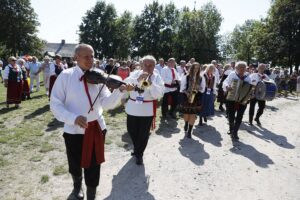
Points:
(263, 165)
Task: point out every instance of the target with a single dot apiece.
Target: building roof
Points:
(64, 49)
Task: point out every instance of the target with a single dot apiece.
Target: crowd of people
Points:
(187, 90)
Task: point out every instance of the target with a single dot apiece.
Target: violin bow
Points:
(101, 88)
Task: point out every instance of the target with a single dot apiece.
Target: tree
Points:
(18, 30)
(242, 41)
(123, 35)
(98, 29)
(147, 27)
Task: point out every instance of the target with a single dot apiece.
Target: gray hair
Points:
(20, 60)
(150, 58)
(79, 47)
(240, 64)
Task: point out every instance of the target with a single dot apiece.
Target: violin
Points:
(97, 76)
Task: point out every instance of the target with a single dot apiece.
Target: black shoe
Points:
(139, 160)
(235, 137)
(205, 119)
(91, 193)
(250, 123)
(200, 122)
(189, 133)
(186, 126)
(77, 193)
(257, 121)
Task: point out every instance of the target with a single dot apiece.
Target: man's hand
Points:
(144, 75)
(81, 121)
(127, 87)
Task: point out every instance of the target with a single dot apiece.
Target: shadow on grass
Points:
(54, 125)
(6, 110)
(37, 112)
(120, 109)
(127, 140)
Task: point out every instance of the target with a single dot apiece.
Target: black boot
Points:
(250, 120)
(189, 133)
(186, 126)
(234, 135)
(139, 160)
(91, 193)
(231, 126)
(200, 121)
(205, 119)
(77, 193)
(257, 121)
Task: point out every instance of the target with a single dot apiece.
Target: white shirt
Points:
(6, 71)
(166, 75)
(153, 92)
(233, 76)
(203, 84)
(69, 100)
(257, 77)
(34, 67)
(181, 71)
(159, 67)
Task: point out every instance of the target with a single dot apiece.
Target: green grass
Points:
(59, 170)
(44, 179)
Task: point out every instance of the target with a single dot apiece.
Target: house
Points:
(66, 50)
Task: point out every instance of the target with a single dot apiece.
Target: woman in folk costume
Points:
(221, 94)
(26, 88)
(13, 82)
(123, 71)
(191, 97)
(55, 69)
(209, 91)
(141, 106)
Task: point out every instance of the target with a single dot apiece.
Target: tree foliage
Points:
(18, 30)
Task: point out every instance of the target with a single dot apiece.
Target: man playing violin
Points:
(84, 131)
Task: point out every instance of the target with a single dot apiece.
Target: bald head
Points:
(84, 55)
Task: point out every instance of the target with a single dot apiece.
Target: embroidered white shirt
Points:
(166, 75)
(233, 76)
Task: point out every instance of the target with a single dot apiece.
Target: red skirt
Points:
(14, 92)
(51, 83)
(26, 89)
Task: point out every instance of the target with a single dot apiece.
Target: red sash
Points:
(93, 137)
(154, 110)
(93, 140)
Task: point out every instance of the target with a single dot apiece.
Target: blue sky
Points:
(60, 18)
